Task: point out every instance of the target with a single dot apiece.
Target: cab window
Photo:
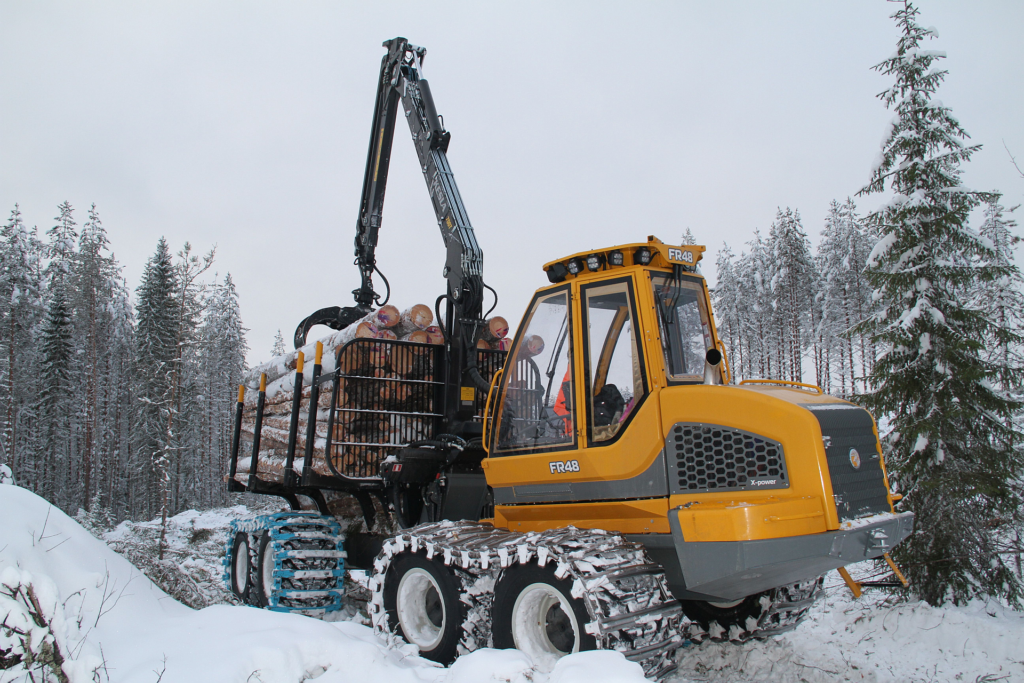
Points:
(684, 325)
(616, 382)
(538, 409)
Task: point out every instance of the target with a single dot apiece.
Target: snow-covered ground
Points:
(111, 623)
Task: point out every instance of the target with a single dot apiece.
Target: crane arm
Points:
(401, 79)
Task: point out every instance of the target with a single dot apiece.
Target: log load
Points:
(383, 401)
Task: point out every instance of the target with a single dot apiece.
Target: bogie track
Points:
(296, 562)
(629, 606)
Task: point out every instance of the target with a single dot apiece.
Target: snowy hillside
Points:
(111, 623)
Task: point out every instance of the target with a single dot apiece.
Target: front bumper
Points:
(731, 570)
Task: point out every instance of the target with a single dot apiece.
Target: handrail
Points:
(487, 404)
(727, 374)
(784, 381)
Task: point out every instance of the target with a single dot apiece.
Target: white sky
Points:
(574, 125)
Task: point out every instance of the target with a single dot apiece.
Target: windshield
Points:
(684, 325)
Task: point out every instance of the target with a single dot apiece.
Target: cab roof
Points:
(652, 254)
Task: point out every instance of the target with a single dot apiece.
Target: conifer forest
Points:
(112, 401)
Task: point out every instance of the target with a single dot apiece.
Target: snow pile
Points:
(872, 639)
(72, 609)
(126, 629)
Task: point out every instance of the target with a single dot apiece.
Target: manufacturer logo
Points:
(855, 458)
(762, 482)
(559, 467)
(680, 255)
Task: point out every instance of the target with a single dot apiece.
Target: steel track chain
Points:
(309, 560)
(782, 610)
(630, 606)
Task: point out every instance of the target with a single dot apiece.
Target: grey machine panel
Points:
(730, 570)
(651, 483)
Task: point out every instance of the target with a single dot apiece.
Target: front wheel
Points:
(535, 612)
(421, 598)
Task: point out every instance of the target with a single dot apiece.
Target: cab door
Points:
(576, 439)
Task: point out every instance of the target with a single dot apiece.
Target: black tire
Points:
(727, 614)
(240, 569)
(406, 503)
(263, 576)
(423, 596)
(529, 613)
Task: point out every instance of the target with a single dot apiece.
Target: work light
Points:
(594, 262)
(574, 265)
(642, 256)
(615, 258)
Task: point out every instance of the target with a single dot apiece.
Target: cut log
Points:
(532, 346)
(434, 335)
(388, 316)
(495, 329)
(418, 336)
(418, 317)
(504, 344)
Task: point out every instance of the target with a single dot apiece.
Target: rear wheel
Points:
(263, 587)
(535, 612)
(241, 575)
(421, 598)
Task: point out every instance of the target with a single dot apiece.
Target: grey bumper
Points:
(734, 569)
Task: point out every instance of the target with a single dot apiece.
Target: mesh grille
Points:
(388, 394)
(706, 457)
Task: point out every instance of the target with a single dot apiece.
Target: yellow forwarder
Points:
(608, 487)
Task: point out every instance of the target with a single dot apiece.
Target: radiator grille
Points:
(705, 457)
(858, 491)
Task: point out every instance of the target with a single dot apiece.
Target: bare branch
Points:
(1013, 160)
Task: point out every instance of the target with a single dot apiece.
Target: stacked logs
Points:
(382, 389)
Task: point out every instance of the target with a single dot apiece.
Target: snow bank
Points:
(142, 634)
(107, 617)
(870, 639)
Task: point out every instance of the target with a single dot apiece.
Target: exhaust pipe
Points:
(712, 369)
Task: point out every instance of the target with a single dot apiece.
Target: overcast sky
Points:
(574, 125)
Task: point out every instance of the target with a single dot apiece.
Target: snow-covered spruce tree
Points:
(222, 366)
(845, 297)
(688, 237)
(21, 306)
(1003, 299)
(56, 367)
(155, 343)
(95, 281)
(728, 309)
(279, 348)
(793, 284)
(948, 423)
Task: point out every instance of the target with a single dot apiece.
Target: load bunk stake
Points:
(236, 436)
(314, 399)
(261, 399)
(293, 427)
